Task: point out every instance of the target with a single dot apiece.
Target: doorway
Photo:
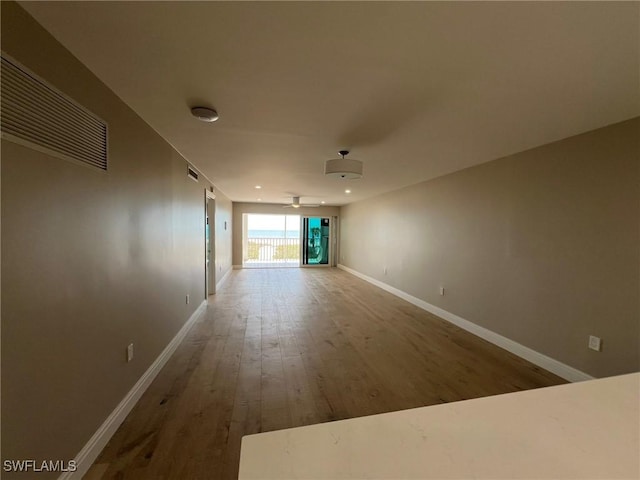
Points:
(316, 241)
(209, 244)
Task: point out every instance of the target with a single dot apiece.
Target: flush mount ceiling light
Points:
(204, 114)
(345, 168)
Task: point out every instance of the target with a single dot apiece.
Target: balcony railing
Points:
(274, 252)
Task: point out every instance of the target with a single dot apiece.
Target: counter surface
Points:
(575, 431)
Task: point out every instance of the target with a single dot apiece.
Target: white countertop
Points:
(576, 431)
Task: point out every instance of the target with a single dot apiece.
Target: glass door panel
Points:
(316, 234)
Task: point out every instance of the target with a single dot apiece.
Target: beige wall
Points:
(240, 208)
(91, 261)
(541, 247)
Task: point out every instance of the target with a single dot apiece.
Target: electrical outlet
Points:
(129, 352)
(187, 299)
(441, 290)
(595, 343)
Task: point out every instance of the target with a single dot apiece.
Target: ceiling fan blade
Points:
(295, 203)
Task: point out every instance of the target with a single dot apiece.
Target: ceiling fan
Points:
(295, 203)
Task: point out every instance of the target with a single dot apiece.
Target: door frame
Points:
(209, 253)
(335, 232)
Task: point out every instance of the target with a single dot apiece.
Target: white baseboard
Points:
(537, 358)
(224, 278)
(97, 442)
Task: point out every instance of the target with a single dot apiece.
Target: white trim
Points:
(224, 278)
(97, 442)
(537, 358)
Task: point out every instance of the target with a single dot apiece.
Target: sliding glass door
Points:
(270, 240)
(316, 245)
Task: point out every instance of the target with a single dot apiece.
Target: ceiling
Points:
(415, 90)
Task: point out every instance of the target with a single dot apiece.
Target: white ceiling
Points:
(415, 90)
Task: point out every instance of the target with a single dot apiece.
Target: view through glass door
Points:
(316, 232)
(270, 240)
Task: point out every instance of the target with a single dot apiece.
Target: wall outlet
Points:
(595, 343)
(129, 352)
(441, 290)
(187, 299)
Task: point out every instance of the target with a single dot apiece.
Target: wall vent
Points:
(35, 114)
(192, 174)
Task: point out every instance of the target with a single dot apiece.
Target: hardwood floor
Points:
(280, 348)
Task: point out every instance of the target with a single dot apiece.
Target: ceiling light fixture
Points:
(323, 202)
(204, 114)
(345, 168)
(347, 191)
(258, 187)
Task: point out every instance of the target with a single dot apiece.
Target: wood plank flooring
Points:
(280, 348)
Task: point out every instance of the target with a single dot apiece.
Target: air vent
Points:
(35, 114)
(192, 174)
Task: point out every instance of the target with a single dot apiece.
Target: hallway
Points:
(279, 348)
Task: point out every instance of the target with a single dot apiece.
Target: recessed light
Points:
(347, 191)
(258, 187)
(259, 199)
(323, 202)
